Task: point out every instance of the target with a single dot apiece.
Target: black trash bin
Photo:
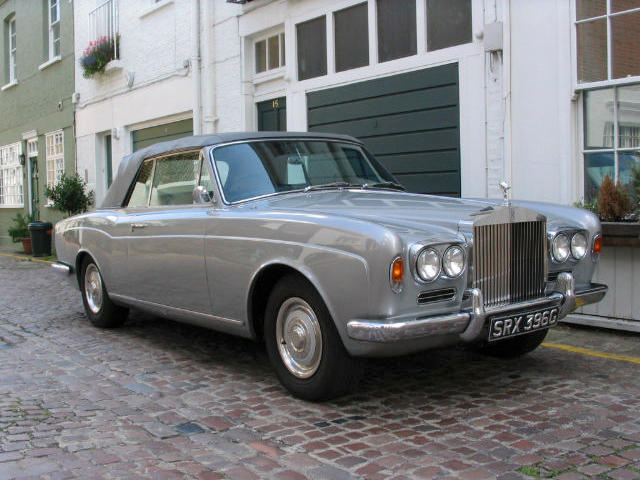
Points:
(40, 238)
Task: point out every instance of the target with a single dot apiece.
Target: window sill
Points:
(50, 62)
(113, 66)
(12, 206)
(155, 7)
(9, 85)
(269, 75)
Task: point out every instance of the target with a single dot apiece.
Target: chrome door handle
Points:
(137, 225)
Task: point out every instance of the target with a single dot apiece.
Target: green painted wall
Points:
(41, 100)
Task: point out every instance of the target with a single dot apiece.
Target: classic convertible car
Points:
(306, 242)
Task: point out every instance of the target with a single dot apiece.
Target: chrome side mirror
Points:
(201, 195)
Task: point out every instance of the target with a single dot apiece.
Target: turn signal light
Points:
(597, 245)
(397, 270)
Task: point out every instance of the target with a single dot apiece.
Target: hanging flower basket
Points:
(98, 54)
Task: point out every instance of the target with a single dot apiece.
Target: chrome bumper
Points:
(62, 268)
(468, 325)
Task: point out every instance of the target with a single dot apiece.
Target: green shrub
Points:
(19, 230)
(69, 195)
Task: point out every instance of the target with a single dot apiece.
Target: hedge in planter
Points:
(96, 56)
(69, 195)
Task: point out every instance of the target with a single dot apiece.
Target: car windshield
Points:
(249, 170)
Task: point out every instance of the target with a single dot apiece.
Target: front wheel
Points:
(516, 346)
(102, 312)
(304, 347)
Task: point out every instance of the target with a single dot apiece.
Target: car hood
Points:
(412, 213)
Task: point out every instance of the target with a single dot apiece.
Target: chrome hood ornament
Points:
(505, 193)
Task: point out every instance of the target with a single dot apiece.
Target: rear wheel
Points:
(304, 347)
(516, 346)
(102, 312)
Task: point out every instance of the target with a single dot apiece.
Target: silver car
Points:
(304, 241)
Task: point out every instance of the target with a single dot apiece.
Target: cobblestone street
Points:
(157, 399)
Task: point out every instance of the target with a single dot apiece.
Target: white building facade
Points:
(145, 95)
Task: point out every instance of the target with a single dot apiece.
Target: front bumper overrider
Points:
(469, 324)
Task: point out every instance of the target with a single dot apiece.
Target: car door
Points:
(165, 245)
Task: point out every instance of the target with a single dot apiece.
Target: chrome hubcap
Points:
(299, 337)
(93, 288)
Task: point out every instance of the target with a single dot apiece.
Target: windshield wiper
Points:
(389, 185)
(322, 186)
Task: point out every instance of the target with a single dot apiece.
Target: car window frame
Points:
(214, 166)
(201, 158)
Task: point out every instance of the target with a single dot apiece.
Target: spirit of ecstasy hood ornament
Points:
(505, 193)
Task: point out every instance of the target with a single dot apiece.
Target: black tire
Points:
(107, 314)
(516, 346)
(336, 370)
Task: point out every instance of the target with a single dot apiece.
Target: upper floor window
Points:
(54, 28)
(607, 39)
(12, 50)
(448, 23)
(11, 175)
(351, 27)
(269, 53)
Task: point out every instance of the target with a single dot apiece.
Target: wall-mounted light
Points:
(23, 159)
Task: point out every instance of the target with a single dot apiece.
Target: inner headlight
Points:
(428, 264)
(560, 248)
(578, 245)
(453, 261)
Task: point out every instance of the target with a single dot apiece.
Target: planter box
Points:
(621, 234)
(26, 245)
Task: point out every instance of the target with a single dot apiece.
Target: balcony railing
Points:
(104, 25)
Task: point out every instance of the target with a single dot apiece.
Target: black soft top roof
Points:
(131, 163)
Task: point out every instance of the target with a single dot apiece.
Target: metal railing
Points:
(104, 25)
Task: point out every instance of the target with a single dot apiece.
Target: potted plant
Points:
(19, 231)
(98, 54)
(616, 207)
(69, 195)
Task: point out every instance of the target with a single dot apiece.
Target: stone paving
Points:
(157, 399)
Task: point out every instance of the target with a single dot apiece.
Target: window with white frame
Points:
(608, 71)
(11, 176)
(611, 136)
(12, 50)
(607, 39)
(54, 28)
(55, 157)
(269, 53)
(32, 147)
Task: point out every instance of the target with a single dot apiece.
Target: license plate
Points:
(522, 323)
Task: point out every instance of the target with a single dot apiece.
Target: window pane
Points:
(205, 178)
(626, 45)
(396, 29)
(352, 37)
(448, 23)
(592, 51)
(621, 5)
(312, 48)
(261, 56)
(140, 194)
(629, 116)
(282, 52)
(598, 119)
(274, 52)
(174, 180)
(596, 167)
(590, 8)
(626, 161)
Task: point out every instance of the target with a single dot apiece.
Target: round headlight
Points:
(560, 247)
(578, 245)
(428, 264)
(453, 261)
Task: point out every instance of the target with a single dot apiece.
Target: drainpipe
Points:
(208, 69)
(195, 67)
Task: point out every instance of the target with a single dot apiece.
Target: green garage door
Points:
(410, 122)
(161, 133)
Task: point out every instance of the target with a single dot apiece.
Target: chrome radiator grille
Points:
(510, 261)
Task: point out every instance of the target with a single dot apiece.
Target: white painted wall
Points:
(155, 43)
